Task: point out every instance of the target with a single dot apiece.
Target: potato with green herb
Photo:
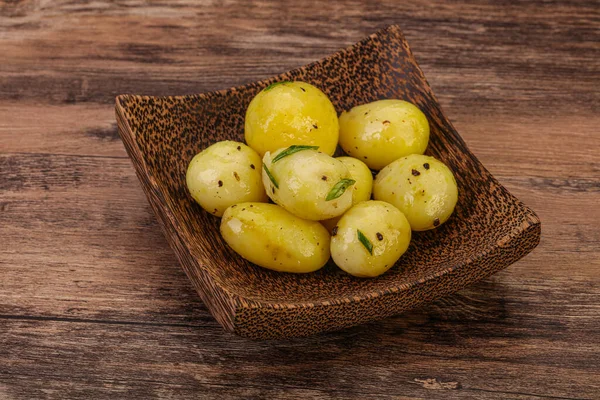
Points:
(383, 131)
(307, 183)
(361, 190)
(423, 188)
(370, 238)
(224, 174)
(273, 238)
(287, 113)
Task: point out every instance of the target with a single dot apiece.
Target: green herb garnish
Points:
(339, 188)
(272, 85)
(365, 242)
(271, 177)
(291, 150)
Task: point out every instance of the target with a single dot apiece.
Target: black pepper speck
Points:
(334, 231)
(426, 165)
(379, 236)
(220, 183)
(415, 172)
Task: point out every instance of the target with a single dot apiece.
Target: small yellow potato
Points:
(307, 183)
(361, 190)
(370, 238)
(287, 113)
(423, 188)
(383, 131)
(273, 238)
(224, 174)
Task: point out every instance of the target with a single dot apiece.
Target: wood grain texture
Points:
(93, 302)
(490, 229)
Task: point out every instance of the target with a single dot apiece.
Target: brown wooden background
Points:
(92, 301)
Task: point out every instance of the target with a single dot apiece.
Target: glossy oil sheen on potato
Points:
(423, 188)
(305, 179)
(288, 113)
(383, 131)
(271, 237)
(383, 225)
(361, 190)
(224, 174)
(360, 172)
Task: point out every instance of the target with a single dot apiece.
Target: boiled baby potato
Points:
(383, 131)
(307, 183)
(361, 190)
(288, 113)
(423, 188)
(370, 238)
(224, 174)
(271, 237)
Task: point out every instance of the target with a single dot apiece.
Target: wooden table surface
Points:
(93, 304)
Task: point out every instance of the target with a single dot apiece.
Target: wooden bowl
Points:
(489, 230)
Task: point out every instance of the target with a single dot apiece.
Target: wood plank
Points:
(86, 129)
(92, 210)
(500, 141)
(65, 53)
(92, 301)
(79, 359)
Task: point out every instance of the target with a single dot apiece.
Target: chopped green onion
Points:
(271, 177)
(365, 242)
(339, 188)
(291, 150)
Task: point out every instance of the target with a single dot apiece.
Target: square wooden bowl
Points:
(489, 230)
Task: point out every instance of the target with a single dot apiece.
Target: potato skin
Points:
(360, 172)
(383, 225)
(305, 179)
(273, 238)
(288, 113)
(383, 131)
(361, 190)
(423, 188)
(224, 174)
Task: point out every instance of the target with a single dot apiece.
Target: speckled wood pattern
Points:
(489, 230)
